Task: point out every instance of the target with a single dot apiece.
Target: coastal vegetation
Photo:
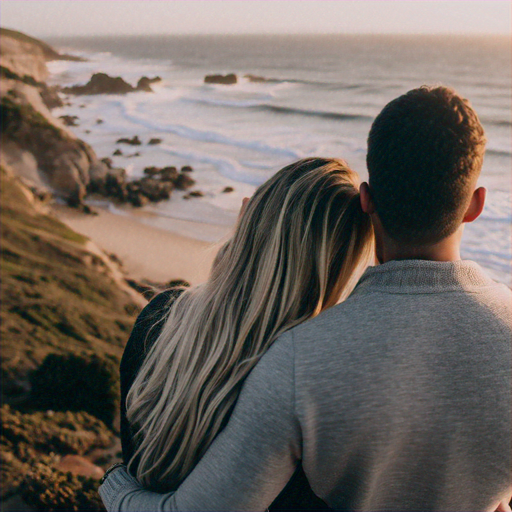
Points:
(64, 321)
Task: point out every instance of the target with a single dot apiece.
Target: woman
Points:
(296, 251)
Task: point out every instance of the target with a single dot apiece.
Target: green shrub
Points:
(76, 383)
(46, 488)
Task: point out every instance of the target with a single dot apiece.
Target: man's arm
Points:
(250, 461)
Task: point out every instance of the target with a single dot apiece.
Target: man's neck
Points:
(447, 249)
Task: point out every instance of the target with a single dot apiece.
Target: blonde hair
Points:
(294, 253)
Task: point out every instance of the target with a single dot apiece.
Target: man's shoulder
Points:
(345, 318)
(369, 309)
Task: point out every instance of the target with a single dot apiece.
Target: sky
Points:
(115, 17)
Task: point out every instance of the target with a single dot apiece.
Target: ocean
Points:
(319, 97)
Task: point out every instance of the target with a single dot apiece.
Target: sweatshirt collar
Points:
(413, 276)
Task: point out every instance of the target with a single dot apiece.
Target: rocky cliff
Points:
(34, 144)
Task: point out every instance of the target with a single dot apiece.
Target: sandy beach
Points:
(147, 252)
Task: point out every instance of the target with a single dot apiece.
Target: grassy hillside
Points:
(63, 324)
(56, 297)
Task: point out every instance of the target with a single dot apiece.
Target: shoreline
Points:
(146, 251)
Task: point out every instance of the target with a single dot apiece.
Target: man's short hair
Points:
(425, 153)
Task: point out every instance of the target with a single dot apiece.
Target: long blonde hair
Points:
(294, 252)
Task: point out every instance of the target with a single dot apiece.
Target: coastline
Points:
(146, 251)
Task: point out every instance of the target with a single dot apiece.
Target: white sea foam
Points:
(221, 102)
(132, 112)
(226, 167)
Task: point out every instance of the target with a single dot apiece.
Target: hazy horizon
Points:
(60, 18)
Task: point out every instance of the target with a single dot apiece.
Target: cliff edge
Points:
(37, 146)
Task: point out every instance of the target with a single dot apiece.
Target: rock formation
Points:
(34, 144)
(134, 141)
(184, 181)
(69, 120)
(228, 79)
(101, 83)
(157, 184)
(144, 83)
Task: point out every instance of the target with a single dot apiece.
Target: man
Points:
(399, 398)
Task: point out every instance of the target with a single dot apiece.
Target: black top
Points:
(297, 495)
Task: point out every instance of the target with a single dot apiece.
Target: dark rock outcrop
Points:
(227, 190)
(186, 168)
(134, 141)
(154, 141)
(101, 83)
(69, 120)
(228, 79)
(144, 83)
(169, 174)
(151, 171)
(156, 190)
(135, 195)
(184, 181)
(194, 193)
(157, 184)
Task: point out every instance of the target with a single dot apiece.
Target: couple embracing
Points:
(262, 389)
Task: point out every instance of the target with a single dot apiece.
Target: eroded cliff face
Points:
(23, 57)
(37, 146)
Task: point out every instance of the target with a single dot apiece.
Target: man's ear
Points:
(476, 205)
(366, 199)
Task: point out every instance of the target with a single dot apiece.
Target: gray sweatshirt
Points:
(398, 399)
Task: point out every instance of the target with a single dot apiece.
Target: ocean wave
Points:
(258, 104)
(217, 102)
(311, 113)
(497, 122)
(214, 216)
(129, 113)
(226, 167)
(501, 257)
(317, 83)
(498, 152)
(257, 165)
(491, 218)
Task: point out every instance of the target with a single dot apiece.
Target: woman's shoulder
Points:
(160, 303)
(147, 327)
